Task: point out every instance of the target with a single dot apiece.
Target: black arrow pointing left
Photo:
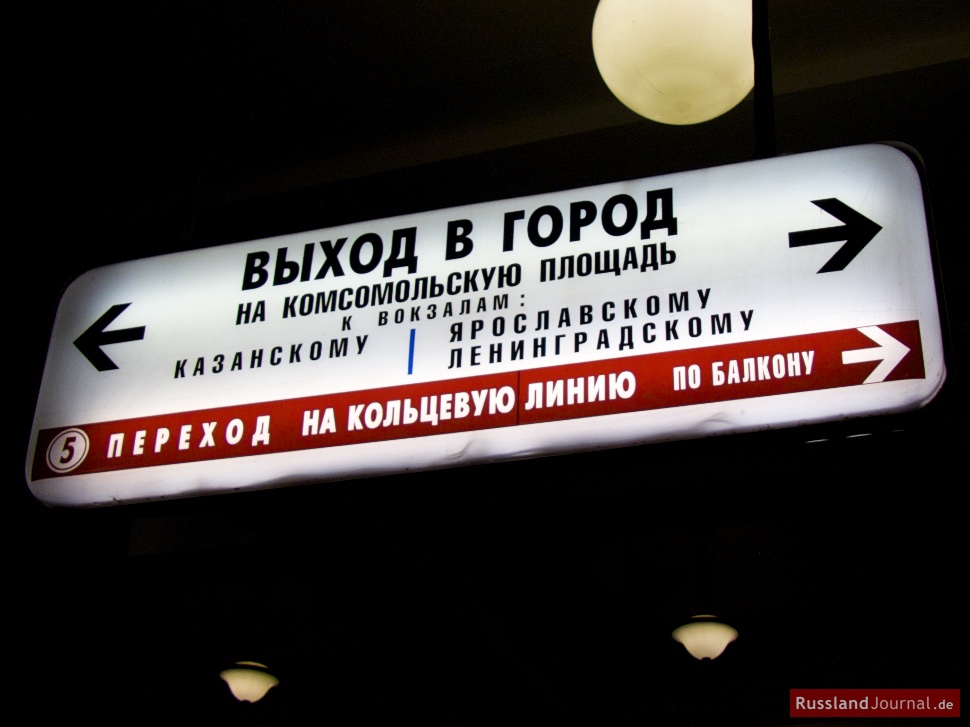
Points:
(90, 342)
(857, 231)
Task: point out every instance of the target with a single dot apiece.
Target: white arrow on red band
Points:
(889, 352)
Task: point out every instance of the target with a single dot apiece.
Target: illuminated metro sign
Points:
(768, 294)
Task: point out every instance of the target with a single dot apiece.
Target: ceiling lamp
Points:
(704, 637)
(249, 681)
(674, 61)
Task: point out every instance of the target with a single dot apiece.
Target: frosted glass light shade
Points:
(704, 637)
(248, 681)
(674, 61)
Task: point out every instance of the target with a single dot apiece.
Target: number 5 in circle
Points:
(67, 450)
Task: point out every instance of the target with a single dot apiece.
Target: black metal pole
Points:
(764, 96)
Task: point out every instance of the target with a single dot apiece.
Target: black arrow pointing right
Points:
(90, 342)
(857, 231)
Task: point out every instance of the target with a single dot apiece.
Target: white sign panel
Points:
(766, 294)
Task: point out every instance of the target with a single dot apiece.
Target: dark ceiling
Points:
(533, 591)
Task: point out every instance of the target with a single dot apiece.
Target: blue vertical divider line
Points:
(411, 354)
